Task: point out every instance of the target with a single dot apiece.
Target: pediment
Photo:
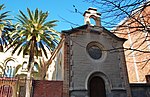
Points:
(93, 30)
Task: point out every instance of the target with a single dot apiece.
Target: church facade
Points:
(93, 65)
(93, 62)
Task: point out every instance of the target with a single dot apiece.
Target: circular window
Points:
(94, 51)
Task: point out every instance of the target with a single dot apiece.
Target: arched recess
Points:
(10, 67)
(94, 20)
(36, 67)
(98, 79)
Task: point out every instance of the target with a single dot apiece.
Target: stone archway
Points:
(100, 79)
(97, 87)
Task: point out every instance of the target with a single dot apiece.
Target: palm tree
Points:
(34, 34)
(5, 27)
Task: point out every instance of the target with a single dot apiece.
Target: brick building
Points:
(137, 30)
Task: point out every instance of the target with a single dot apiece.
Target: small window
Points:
(94, 50)
(36, 67)
(25, 65)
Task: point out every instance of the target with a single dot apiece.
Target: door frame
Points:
(103, 76)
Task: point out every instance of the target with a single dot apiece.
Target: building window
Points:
(10, 68)
(25, 66)
(94, 50)
(36, 67)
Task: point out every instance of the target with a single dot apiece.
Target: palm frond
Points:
(43, 49)
(24, 21)
(36, 50)
(24, 16)
(25, 48)
(51, 23)
(2, 6)
(41, 15)
(30, 14)
(20, 20)
(12, 45)
(16, 47)
(19, 51)
(46, 40)
(17, 68)
(44, 16)
(36, 15)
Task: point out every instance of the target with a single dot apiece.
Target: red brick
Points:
(45, 88)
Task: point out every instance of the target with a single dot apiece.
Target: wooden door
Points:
(97, 87)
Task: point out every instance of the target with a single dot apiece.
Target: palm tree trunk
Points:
(28, 84)
(30, 67)
(29, 81)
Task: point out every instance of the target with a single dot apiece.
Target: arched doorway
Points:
(97, 87)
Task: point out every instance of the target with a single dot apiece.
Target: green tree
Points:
(31, 35)
(5, 27)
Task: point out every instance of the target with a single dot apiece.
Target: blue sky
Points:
(56, 8)
(59, 9)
